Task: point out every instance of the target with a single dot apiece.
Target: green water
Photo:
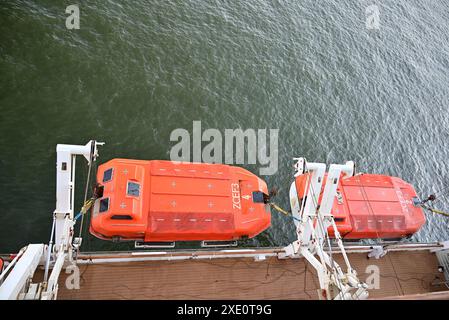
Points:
(136, 70)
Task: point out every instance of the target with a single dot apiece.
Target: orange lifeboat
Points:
(369, 206)
(164, 201)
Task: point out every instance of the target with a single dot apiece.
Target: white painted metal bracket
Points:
(313, 220)
(22, 272)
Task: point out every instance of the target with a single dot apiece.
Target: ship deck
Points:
(403, 274)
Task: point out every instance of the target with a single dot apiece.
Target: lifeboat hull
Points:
(370, 206)
(164, 201)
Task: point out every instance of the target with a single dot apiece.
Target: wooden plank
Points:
(443, 295)
(401, 273)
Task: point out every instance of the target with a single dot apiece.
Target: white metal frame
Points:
(21, 271)
(65, 183)
(17, 284)
(312, 222)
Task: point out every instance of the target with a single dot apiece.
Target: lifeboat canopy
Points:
(165, 201)
(370, 206)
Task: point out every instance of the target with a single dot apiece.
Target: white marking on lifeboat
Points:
(402, 201)
(125, 171)
(235, 189)
(220, 172)
(177, 170)
(249, 221)
(246, 197)
(173, 184)
(208, 220)
(122, 205)
(210, 185)
(177, 220)
(210, 204)
(193, 220)
(173, 203)
(160, 219)
(223, 220)
(162, 169)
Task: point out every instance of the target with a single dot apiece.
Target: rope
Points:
(86, 206)
(285, 212)
(445, 189)
(432, 198)
(86, 190)
(446, 214)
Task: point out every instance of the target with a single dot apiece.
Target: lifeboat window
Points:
(133, 189)
(104, 205)
(107, 175)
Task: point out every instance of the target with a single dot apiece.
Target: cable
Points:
(326, 235)
(445, 188)
(87, 204)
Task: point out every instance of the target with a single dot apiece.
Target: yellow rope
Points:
(438, 211)
(279, 209)
(87, 205)
(435, 210)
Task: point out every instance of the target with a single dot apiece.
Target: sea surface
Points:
(134, 71)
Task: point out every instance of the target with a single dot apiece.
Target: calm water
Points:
(136, 70)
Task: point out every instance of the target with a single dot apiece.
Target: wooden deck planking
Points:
(402, 273)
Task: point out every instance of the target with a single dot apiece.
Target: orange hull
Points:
(165, 201)
(373, 206)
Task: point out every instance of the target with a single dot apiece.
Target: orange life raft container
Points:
(164, 201)
(369, 206)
